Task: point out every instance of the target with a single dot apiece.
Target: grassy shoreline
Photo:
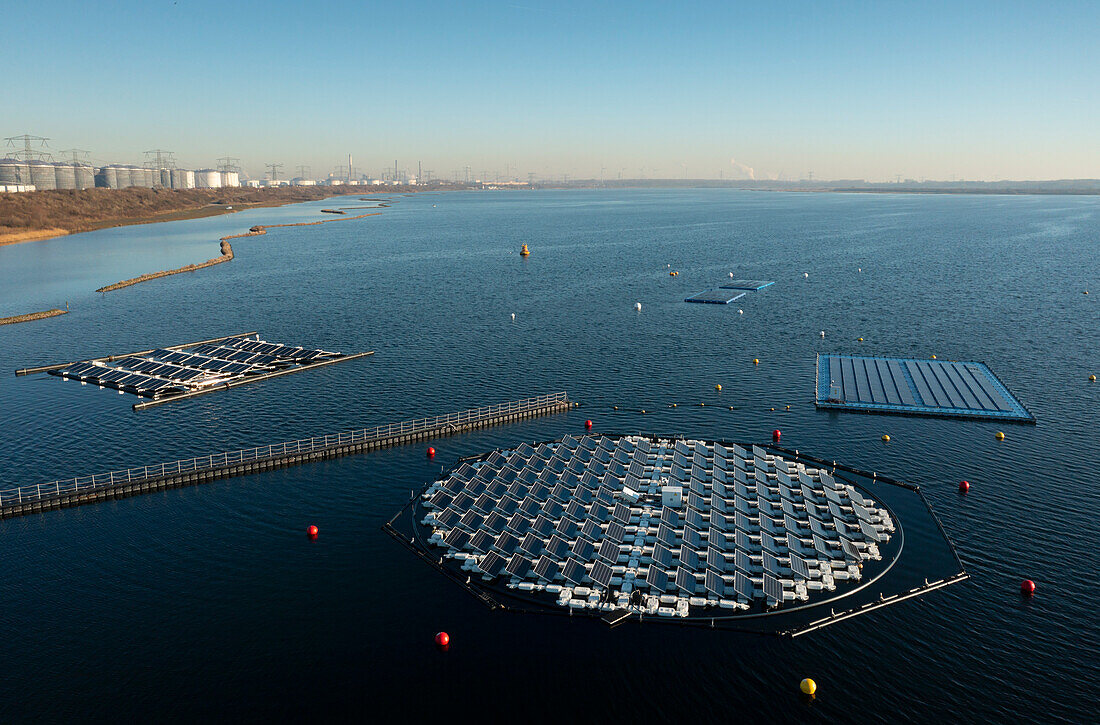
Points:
(40, 215)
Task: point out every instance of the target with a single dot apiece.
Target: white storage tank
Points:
(149, 177)
(164, 178)
(125, 176)
(107, 178)
(183, 179)
(208, 179)
(14, 171)
(85, 176)
(64, 175)
(231, 178)
(43, 175)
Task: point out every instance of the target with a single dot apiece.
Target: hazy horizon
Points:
(985, 91)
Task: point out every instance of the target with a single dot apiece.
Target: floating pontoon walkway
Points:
(646, 526)
(133, 481)
(915, 387)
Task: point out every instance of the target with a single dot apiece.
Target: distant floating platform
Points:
(915, 387)
(659, 528)
(716, 296)
(752, 285)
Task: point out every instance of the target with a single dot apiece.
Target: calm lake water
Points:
(210, 602)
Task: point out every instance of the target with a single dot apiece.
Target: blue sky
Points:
(976, 90)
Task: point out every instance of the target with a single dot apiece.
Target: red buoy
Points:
(442, 639)
(431, 452)
(312, 531)
(775, 435)
(964, 486)
(1027, 587)
(588, 425)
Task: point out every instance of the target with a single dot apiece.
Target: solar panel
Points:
(869, 531)
(850, 551)
(717, 538)
(715, 584)
(609, 550)
(546, 568)
(471, 520)
(532, 544)
(567, 529)
(822, 547)
(657, 578)
(574, 571)
(601, 574)
(799, 566)
(553, 509)
(621, 513)
(715, 560)
(456, 538)
(615, 532)
(743, 541)
(662, 555)
(518, 566)
(491, 564)
(743, 561)
(481, 541)
(692, 538)
(685, 580)
(670, 517)
(688, 557)
(583, 549)
(773, 589)
(561, 493)
(743, 586)
(506, 542)
(591, 530)
(771, 564)
(598, 512)
(519, 523)
(665, 535)
(557, 546)
(543, 526)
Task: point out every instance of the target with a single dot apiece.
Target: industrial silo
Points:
(85, 176)
(231, 178)
(149, 178)
(208, 179)
(123, 174)
(107, 178)
(133, 176)
(183, 179)
(14, 171)
(64, 175)
(42, 175)
(164, 178)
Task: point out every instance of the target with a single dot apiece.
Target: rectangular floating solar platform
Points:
(915, 387)
(717, 296)
(752, 285)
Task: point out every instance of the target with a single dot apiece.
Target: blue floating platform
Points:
(752, 285)
(717, 296)
(915, 387)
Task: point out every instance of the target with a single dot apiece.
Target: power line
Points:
(273, 169)
(28, 153)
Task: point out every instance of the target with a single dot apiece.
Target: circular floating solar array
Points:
(669, 527)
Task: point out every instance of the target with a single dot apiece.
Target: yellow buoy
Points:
(885, 438)
(1000, 436)
(731, 407)
(524, 251)
(614, 407)
(643, 410)
(861, 339)
(788, 407)
(808, 686)
(673, 405)
(933, 357)
(773, 410)
(756, 361)
(702, 404)
(718, 387)
(1092, 378)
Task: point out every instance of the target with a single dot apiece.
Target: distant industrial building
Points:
(39, 174)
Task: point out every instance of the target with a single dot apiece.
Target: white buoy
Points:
(638, 306)
(740, 312)
(513, 316)
(861, 269)
(806, 275)
(669, 266)
(731, 275)
(823, 333)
